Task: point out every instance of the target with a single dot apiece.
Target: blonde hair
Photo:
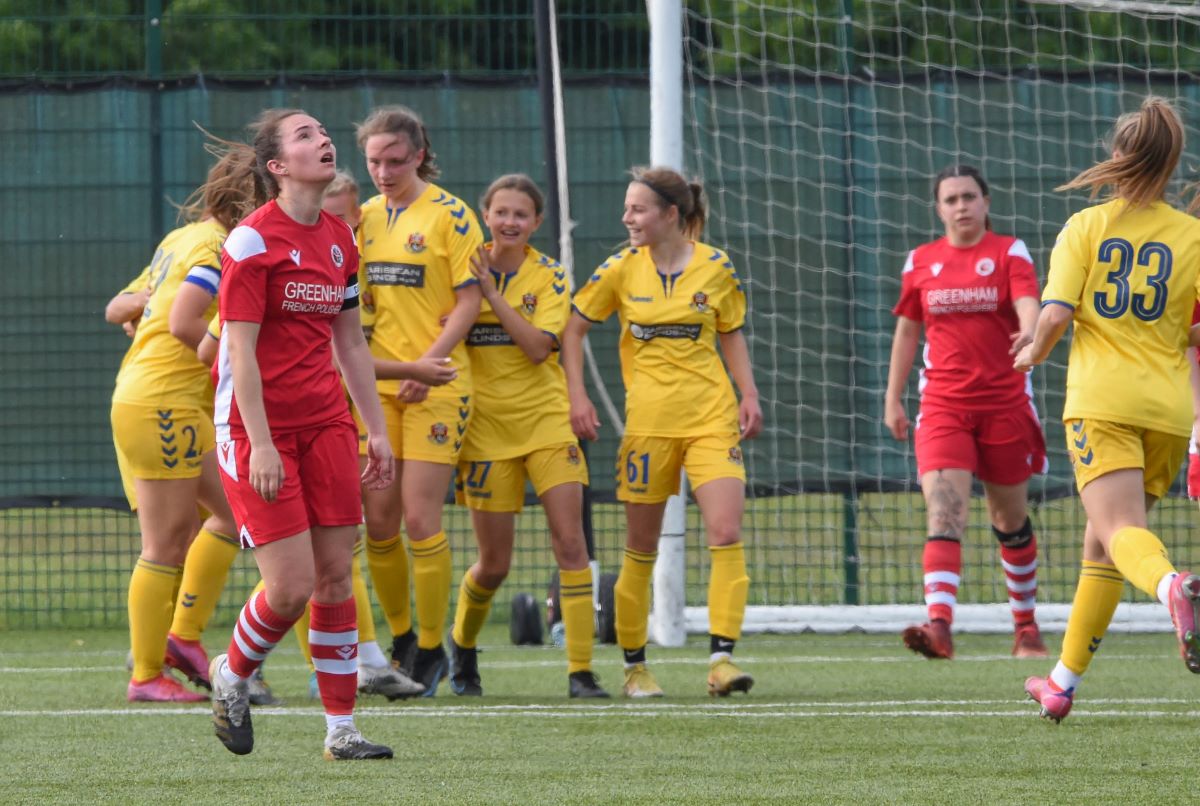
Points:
(1146, 146)
(343, 182)
(673, 190)
(518, 182)
(400, 120)
(232, 189)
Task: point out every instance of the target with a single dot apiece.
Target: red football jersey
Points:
(965, 297)
(293, 279)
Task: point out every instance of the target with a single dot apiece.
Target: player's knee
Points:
(1013, 538)
(422, 524)
(490, 576)
(723, 534)
(289, 599)
(570, 549)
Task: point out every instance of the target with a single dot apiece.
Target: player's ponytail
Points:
(268, 145)
(1145, 147)
(673, 190)
(232, 189)
(400, 120)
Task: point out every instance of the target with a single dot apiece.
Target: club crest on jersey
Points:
(699, 302)
(439, 433)
(985, 266)
(416, 243)
(529, 303)
(335, 252)
(735, 455)
(935, 269)
(573, 454)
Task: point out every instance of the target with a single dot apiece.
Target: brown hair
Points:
(961, 171)
(343, 182)
(518, 182)
(267, 146)
(1146, 145)
(232, 189)
(673, 190)
(400, 120)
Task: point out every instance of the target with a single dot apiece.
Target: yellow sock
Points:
(474, 603)
(150, 609)
(388, 562)
(431, 586)
(300, 630)
(362, 599)
(728, 586)
(631, 597)
(204, 573)
(1140, 557)
(579, 618)
(1096, 598)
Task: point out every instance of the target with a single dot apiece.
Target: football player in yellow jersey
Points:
(1126, 273)
(163, 431)
(416, 242)
(676, 298)
(521, 428)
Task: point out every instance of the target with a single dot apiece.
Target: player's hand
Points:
(1024, 361)
(412, 391)
(750, 417)
(130, 327)
(896, 420)
(584, 421)
(380, 471)
(432, 371)
(481, 267)
(1019, 340)
(266, 471)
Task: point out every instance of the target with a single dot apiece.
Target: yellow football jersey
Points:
(675, 382)
(519, 406)
(415, 259)
(159, 367)
(1130, 275)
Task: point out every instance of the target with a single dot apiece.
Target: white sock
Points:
(335, 721)
(1064, 678)
(716, 656)
(369, 654)
(1164, 589)
(227, 676)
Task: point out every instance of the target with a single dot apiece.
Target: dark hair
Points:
(673, 190)
(1149, 142)
(232, 189)
(400, 120)
(968, 171)
(518, 182)
(267, 145)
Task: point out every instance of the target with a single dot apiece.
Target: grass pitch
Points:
(845, 719)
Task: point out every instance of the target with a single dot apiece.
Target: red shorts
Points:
(320, 485)
(1004, 447)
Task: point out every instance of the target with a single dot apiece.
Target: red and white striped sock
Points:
(333, 636)
(258, 630)
(942, 560)
(1020, 573)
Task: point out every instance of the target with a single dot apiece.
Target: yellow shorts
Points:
(499, 486)
(159, 443)
(429, 431)
(1098, 447)
(648, 467)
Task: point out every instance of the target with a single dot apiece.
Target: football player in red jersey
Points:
(975, 294)
(286, 443)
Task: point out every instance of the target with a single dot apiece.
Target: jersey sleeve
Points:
(554, 308)
(909, 304)
(214, 326)
(244, 268)
(1022, 279)
(601, 295)
(465, 238)
(353, 293)
(1068, 266)
(138, 283)
(731, 305)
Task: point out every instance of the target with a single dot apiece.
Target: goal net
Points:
(817, 128)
